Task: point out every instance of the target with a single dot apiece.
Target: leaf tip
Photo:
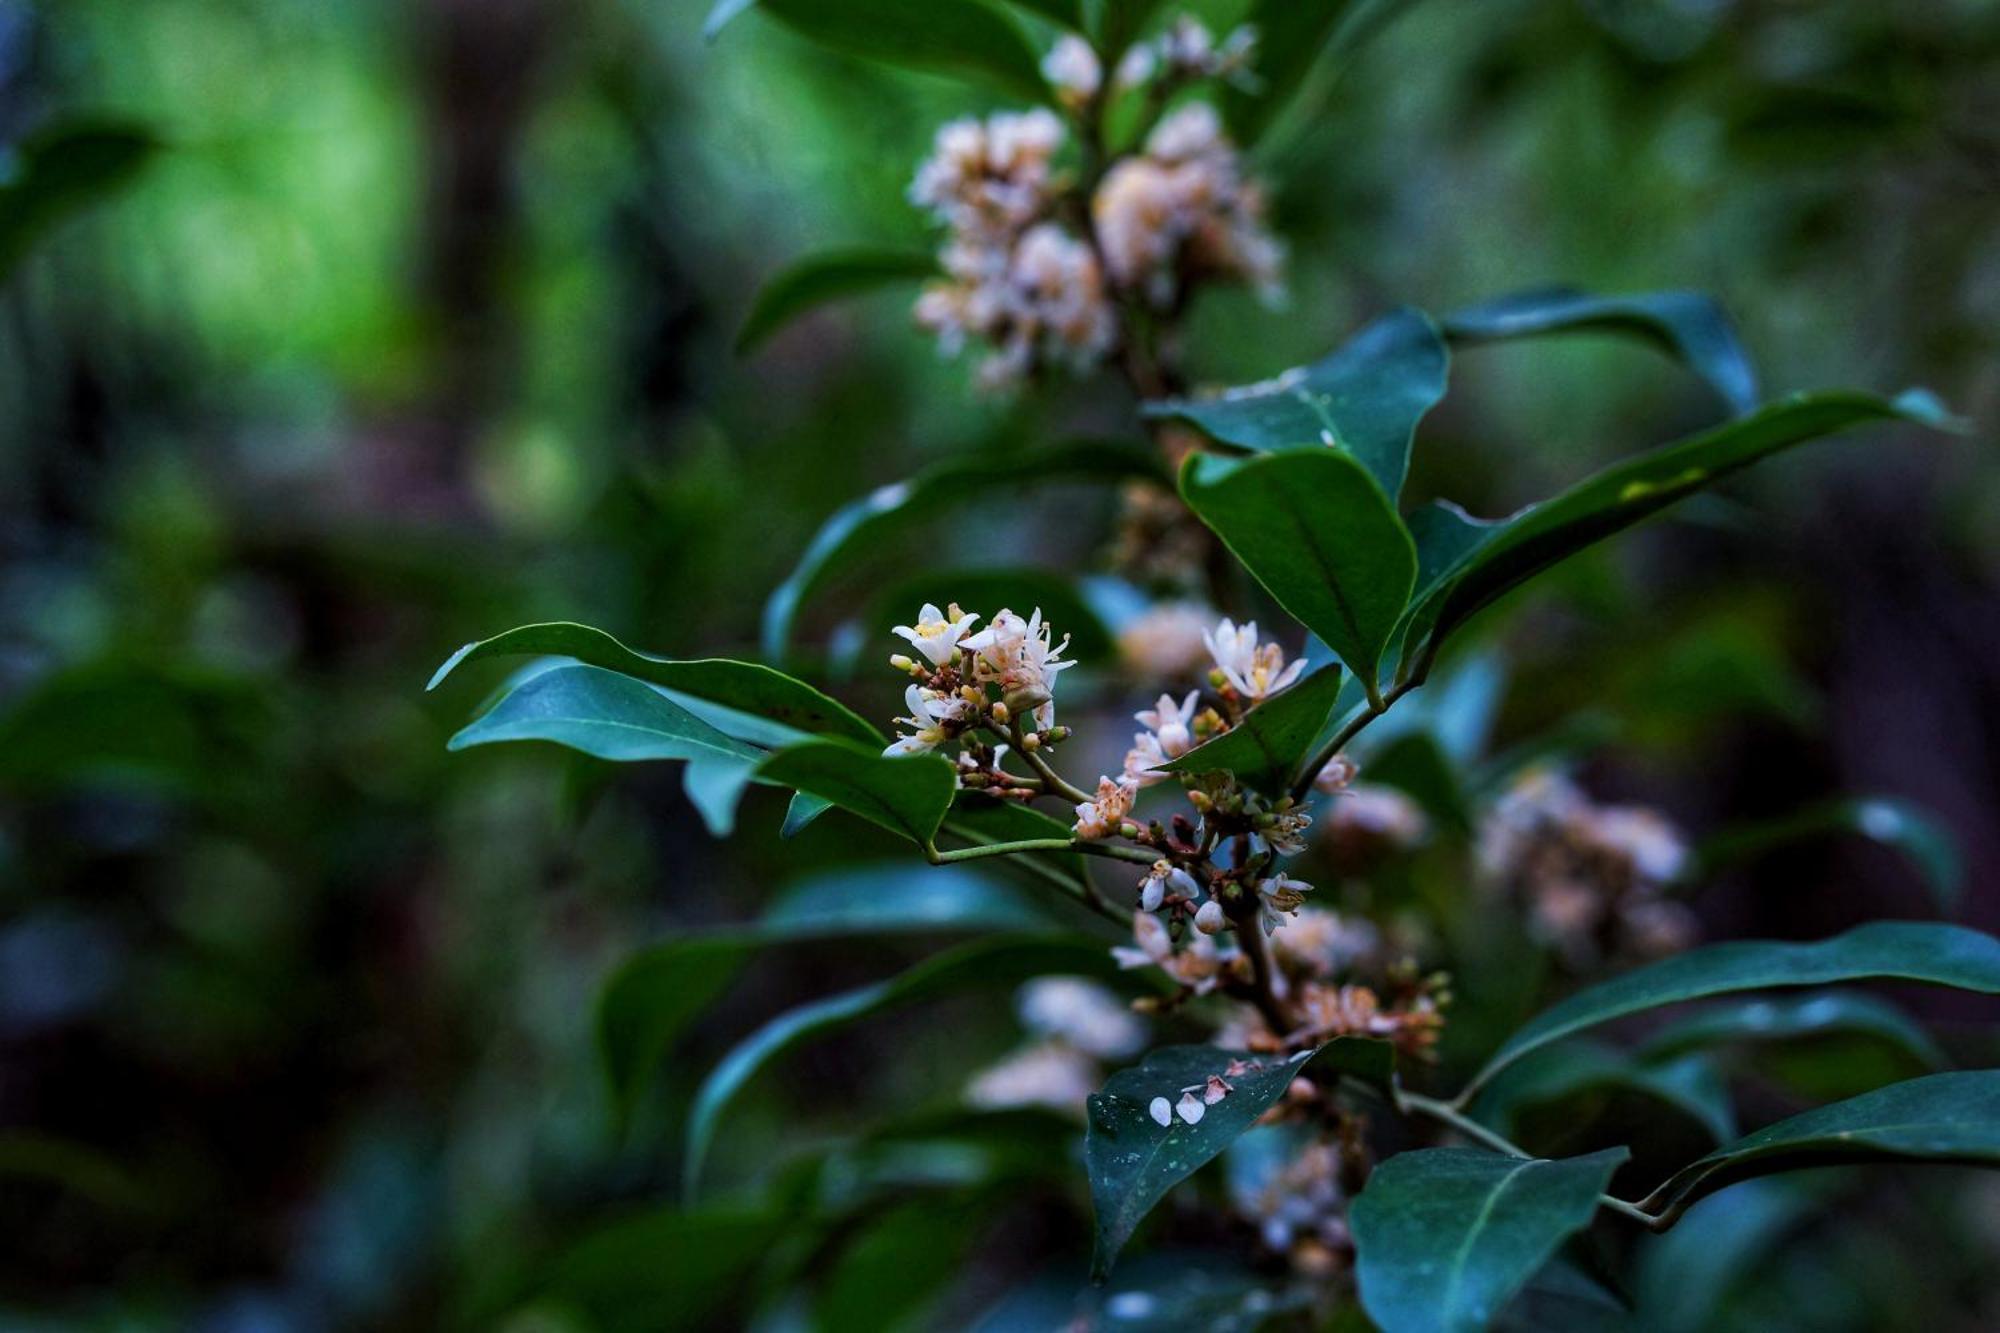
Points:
(450, 664)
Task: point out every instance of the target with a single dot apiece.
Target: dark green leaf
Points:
(1953, 1117)
(1900, 824)
(747, 687)
(863, 524)
(1786, 1018)
(660, 1270)
(1574, 1068)
(1886, 950)
(601, 713)
(62, 170)
(1415, 763)
(1688, 326)
(1444, 1237)
(1266, 749)
(652, 996)
(1317, 532)
(1068, 13)
(982, 963)
(803, 810)
(906, 794)
(714, 787)
(1563, 1296)
(1684, 1276)
(980, 821)
(819, 279)
(1365, 398)
(1118, 24)
(1515, 549)
(1303, 46)
(1133, 1160)
(964, 38)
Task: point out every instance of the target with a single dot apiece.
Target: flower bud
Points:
(1001, 712)
(1152, 892)
(1209, 920)
(901, 661)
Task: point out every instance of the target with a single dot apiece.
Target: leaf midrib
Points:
(1458, 1263)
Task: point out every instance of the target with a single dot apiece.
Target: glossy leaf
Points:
(1133, 1160)
(1689, 326)
(714, 787)
(1365, 398)
(802, 811)
(1884, 950)
(1444, 1237)
(1068, 13)
(1904, 825)
(60, 171)
(1267, 748)
(863, 524)
(1318, 533)
(1688, 1083)
(660, 1270)
(906, 794)
(651, 997)
(818, 280)
(964, 38)
(748, 687)
(1291, 35)
(983, 963)
(1684, 1276)
(601, 713)
(1787, 1018)
(1951, 1117)
(1508, 552)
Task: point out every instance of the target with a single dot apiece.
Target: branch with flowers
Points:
(1077, 234)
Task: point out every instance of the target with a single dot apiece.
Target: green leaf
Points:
(1571, 1069)
(651, 997)
(981, 821)
(803, 810)
(1118, 24)
(1268, 747)
(862, 525)
(1445, 1236)
(714, 787)
(820, 279)
(61, 170)
(1133, 1160)
(1951, 1117)
(1068, 13)
(1904, 825)
(1684, 1276)
(1689, 326)
(661, 1270)
(906, 794)
(962, 38)
(747, 687)
(1318, 533)
(982, 963)
(1365, 398)
(1497, 557)
(1883, 950)
(1302, 47)
(1788, 1018)
(601, 713)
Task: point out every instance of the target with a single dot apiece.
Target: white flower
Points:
(1163, 876)
(936, 634)
(1209, 920)
(1165, 641)
(1072, 70)
(1049, 1074)
(1101, 816)
(1337, 776)
(1155, 946)
(1081, 1013)
(1170, 722)
(1136, 66)
(932, 715)
(1281, 894)
(1377, 813)
(1162, 1111)
(1018, 655)
(1189, 134)
(1654, 848)
(1253, 670)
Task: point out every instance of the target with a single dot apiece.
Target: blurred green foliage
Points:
(418, 322)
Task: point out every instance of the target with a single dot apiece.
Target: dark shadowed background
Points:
(406, 323)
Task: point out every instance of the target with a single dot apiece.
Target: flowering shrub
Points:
(1226, 876)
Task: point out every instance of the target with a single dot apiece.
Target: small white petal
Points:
(1190, 1107)
(1209, 919)
(1160, 1111)
(1152, 893)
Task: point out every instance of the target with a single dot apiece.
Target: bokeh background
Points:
(418, 324)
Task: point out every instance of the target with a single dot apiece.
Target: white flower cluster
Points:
(1020, 277)
(952, 695)
(1077, 1025)
(1591, 877)
(1183, 211)
(1300, 1209)
(1014, 277)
